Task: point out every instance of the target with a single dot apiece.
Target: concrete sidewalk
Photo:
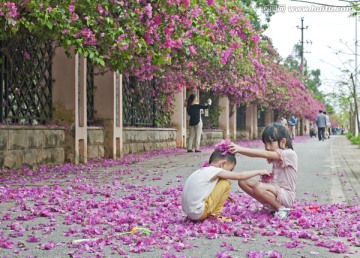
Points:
(345, 164)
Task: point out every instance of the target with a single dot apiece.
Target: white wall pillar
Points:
(224, 122)
(80, 110)
(178, 118)
(232, 121)
(108, 101)
(70, 103)
(251, 120)
(269, 117)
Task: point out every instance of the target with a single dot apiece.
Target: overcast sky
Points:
(325, 29)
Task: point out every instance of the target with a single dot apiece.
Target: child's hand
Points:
(267, 178)
(264, 172)
(231, 199)
(234, 148)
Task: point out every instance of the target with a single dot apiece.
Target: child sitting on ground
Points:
(206, 190)
(276, 193)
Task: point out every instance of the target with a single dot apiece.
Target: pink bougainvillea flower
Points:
(103, 199)
(223, 146)
(32, 239)
(205, 164)
(48, 246)
(209, 2)
(223, 254)
(5, 243)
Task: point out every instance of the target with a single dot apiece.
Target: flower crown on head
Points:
(224, 147)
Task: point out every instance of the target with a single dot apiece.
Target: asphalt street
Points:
(328, 173)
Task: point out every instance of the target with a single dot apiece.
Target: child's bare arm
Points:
(271, 155)
(242, 175)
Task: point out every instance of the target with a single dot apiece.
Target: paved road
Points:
(328, 173)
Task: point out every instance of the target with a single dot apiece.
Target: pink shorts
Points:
(284, 197)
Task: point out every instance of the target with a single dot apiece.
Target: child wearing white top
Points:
(207, 189)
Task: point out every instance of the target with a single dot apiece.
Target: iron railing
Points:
(143, 104)
(25, 81)
(241, 118)
(261, 118)
(90, 94)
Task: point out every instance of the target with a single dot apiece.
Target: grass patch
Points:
(353, 139)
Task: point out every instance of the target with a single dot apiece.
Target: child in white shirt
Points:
(206, 190)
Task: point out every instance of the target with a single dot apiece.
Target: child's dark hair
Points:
(217, 155)
(191, 100)
(276, 132)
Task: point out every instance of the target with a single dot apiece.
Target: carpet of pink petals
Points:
(86, 205)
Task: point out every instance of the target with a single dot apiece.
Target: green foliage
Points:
(163, 113)
(251, 6)
(212, 121)
(191, 44)
(311, 78)
(353, 139)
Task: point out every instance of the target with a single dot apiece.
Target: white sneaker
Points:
(282, 213)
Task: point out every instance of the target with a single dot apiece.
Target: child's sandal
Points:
(224, 219)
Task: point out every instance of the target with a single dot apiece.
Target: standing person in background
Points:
(333, 130)
(195, 123)
(327, 127)
(293, 122)
(321, 124)
(283, 122)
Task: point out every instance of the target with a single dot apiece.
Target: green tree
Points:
(312, 78)
(267, 7)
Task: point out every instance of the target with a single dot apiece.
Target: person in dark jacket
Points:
(195, 123)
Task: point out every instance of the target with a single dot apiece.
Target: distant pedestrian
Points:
(207, 189)
(312, 131)
(293, 123)
(283, 121)
(328, 126)
(277, 192)
(333, 130)
(305, 129)
(321, 124)
(195, 124)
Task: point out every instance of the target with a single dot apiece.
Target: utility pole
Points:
(302, 28)
(356, 128)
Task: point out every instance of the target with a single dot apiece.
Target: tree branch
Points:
(349, 1)
(309, 2)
